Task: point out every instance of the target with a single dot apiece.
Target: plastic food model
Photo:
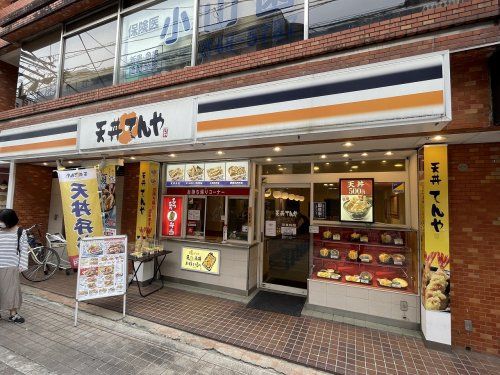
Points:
(398, 258)
(365, 258)
(336, 237)
(384, 258)
(399, 283)
(386, 238)
(352, 255)
(327, 235)
(365, 277)
(363, 239)
(355, 236)
(324, 252)
(385, 282)
(334, 254)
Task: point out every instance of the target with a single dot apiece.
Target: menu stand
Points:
(157, 272)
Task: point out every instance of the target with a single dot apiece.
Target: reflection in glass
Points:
(297, 168)
(230, 27)
(215, 220)
(38, 65)
(195, 223)
(326, 202)
(355, 166)
(89, 59)
(155, 39)
(324, 15)
(237, 222)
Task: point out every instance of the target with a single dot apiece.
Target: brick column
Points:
(8, 83)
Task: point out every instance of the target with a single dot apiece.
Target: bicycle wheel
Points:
(44, 266)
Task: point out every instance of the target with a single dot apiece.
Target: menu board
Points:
(102, 267)
(200, 260)
(231, 173)
(356, 200)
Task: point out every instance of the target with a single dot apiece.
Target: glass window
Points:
(389, 202)
(156, 39)
(237, 221)
(360, 166)
(325, 15)
(38, 66)
(230, 27)
(302, 168)
(89, 59)
(195, 224)
(215, 218)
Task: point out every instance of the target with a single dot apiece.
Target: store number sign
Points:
(356, 200)
(172, 216)
(200, 260)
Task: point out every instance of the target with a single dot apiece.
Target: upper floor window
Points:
(88, 62)
(38, 66)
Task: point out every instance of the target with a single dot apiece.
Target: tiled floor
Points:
(324, 344)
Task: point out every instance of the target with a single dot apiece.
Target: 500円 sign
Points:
(201, 260)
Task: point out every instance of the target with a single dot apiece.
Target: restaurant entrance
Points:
(286, 238)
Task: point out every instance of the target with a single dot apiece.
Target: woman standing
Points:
(13, 260)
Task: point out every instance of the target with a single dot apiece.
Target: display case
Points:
(385, 259)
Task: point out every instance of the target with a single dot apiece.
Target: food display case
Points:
(374, 258)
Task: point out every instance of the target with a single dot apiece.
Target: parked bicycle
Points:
(43, 261)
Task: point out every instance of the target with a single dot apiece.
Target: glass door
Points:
(285, 262)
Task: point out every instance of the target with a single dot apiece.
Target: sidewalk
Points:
(323, 344)
(49, 344)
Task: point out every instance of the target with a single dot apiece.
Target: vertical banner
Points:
(147, 201)
(81, 208)
(172, 216)
(107, 186)
(435, 228)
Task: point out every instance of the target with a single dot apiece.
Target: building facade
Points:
(263, 117)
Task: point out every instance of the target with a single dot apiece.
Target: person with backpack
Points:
(13, 260)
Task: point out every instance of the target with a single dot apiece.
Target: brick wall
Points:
(32, 195)
(474, 244)
(8, 83)
(130, 194)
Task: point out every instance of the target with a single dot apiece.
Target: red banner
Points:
(217, 191)
(171, 224)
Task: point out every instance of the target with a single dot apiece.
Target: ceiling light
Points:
(345, 155)
(269, 159)
(316, 168)
(346, 163)
(354, 167)
(70, 161)
(330, 184)
(325, 184)
(384, 161)
(323, 156)
(327, 163)
(389, 153)
(280, 169)
(364, 154)
(279, 165)
(172, 155)
(438, 138)
(363, 162)
(45, 163)
(277, 149)
(220, 152)
(132, 158)
(399, 165)
(348, 144)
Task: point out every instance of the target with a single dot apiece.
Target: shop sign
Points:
(162, 123)
(356, 200)
(147, 200)
(319, 210)
(215, 191)
(81, 208)
(436, 241)
(102, 267)
(172, 216)
(200, 260)
(233, 173)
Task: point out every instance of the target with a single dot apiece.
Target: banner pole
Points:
(124, 304)
(76, 313)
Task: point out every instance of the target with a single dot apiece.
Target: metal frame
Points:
(306, 19)
(194, 40)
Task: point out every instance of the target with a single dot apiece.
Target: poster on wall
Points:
(147, 200)
(81, 208)
(107, 187)
(172, 216)
(200, 260)
(356, 200)
(435, 228)
(233, 173)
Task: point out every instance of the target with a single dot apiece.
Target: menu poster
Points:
(172, 216)
(356, 200)
(200, 260)
(233, 173)
(102, 267)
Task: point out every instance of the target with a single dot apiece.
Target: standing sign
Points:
(107, 186)
(436, 230)
(200, 260)
(147, 200)
(81, 208)
(356, 200)
(172, 216)
(102, 269)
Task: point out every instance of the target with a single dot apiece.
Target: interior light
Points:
(384, 161)
(345, 155)
(316, 168)
(70, 161)
(438, 138)
(284, 195)
(363, 162)
(220, 152)
(276, 194)
(172, 155)
(354, 167)
(269, 159)
(132, 158)
(325, 184)
(348, 144)
(364, 154)
(346, 163)
(323, 156)
(330, 184)
(45, 163)
(280, 169)
(327, 163)
(399, 165)
(277, 149)
(389, 153)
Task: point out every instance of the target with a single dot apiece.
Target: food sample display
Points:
(373, 258)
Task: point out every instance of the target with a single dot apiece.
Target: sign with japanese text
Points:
(211, 191)
(233, 173)
(200, 260)
(147, 200)
(102, 267)
(172, 216)
(81, 208)
(159, 123)
(319, 210)
(356, 200)
(107, 186)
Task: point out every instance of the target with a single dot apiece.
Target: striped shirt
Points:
(8, 249)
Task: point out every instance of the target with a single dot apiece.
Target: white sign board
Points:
(270, 228)
(167, 122)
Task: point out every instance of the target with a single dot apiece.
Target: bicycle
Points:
(43, 261)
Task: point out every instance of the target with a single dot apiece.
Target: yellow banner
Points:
(435, 228)
(147, 201)
(200, 260)
(81, 208)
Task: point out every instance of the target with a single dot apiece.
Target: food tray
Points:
(391, 287)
